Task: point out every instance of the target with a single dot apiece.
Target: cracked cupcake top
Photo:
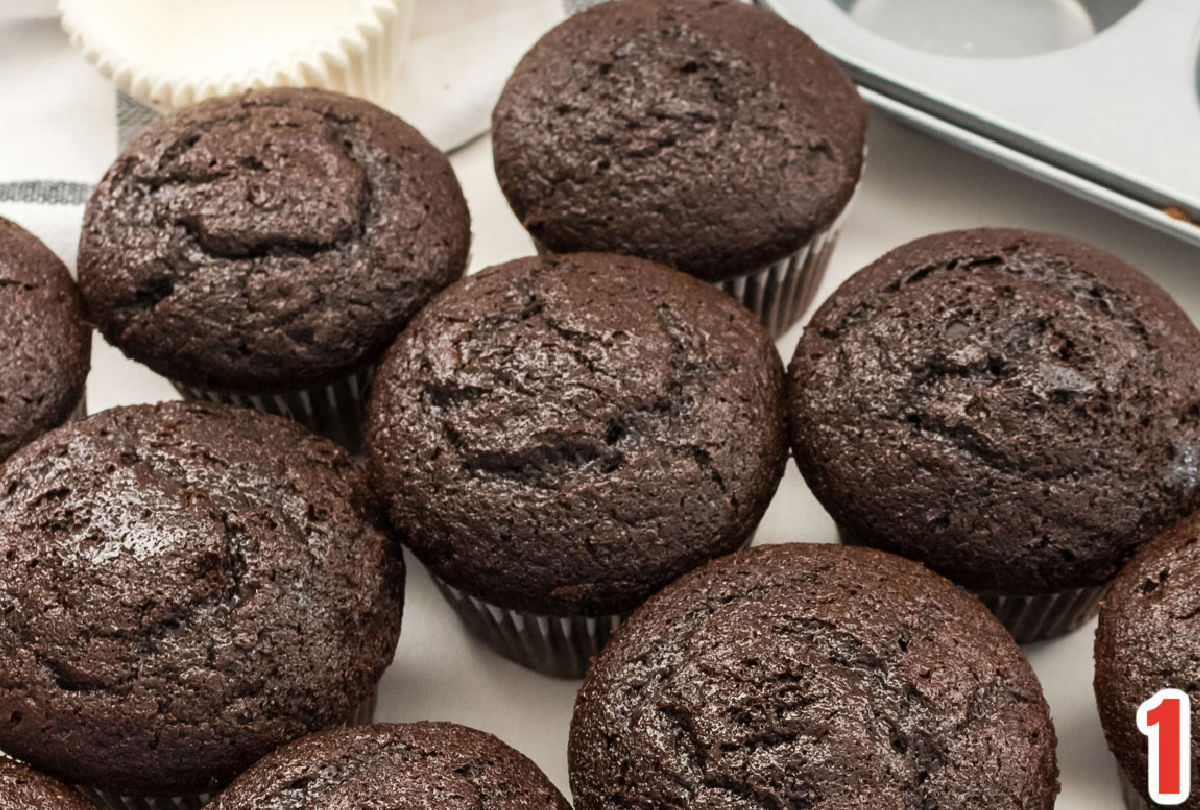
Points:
(274, 240)
(22, 788)
(568, 434)
(709, 135)
(45, 345)
(184, 588)
(1147, 641)
(401, 767)
(1017, 410)
(813, 676)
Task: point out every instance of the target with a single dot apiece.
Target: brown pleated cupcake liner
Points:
(335, 410)
(558, 646)
(363, 714)
(1031, 617)
(1135, 797)
(114, 802)
(781, 293)
(1037, 617)
(80, 412)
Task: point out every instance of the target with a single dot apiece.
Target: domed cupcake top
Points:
(22, 788)
(568, 434)
(184, 588)
(1017, 410)
(275, 239)
(45, 344)
(1148, 639)
(411, 766)
(709, 135)
(814, 676)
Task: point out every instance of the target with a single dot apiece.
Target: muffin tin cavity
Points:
(1032, 101)
(985, 28)
(1198, 70)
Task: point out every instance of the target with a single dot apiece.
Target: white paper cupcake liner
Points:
(170, 55)
(335, 410)
(363, 715)
(1031, 617)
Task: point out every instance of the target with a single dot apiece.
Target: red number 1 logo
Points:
(1166, 719)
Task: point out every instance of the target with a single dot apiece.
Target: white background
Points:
(54, 114)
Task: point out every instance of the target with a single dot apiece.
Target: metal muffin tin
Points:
(1112, 115)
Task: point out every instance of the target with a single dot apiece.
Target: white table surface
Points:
(913, 186)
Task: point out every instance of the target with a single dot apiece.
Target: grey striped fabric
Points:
(47, 192)
(132, 118)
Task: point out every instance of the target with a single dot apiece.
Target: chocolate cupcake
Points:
(709, 135)
(1149, 640)
(186, 587)
(264, 250)
(560, 436)
(813, 676)
(1016, 410)
(435, 765)
(45, 344)
(22, 788)
(573, 6)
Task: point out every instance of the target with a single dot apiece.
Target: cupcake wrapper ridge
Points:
(80, 411)
(356, 53)
(558, 646)
(1044, 616)
(781, 293)
(1031, 617)
(335, 410)
(114, 802)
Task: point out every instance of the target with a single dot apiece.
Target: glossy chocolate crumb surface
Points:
(45, 342)
(567, 434)
(271, 241)
(709, 135)
(816, 676)
(1017, 410)
(22, 788)
(184, 587)
(415, 766)
(1148, 639)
